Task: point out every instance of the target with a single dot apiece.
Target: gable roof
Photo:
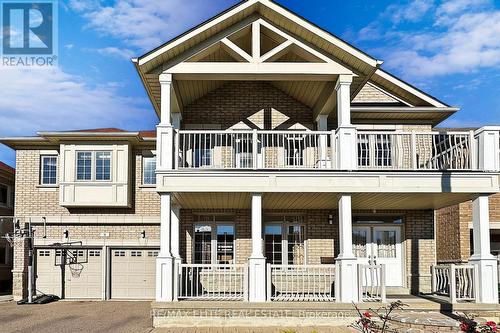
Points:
(7, 168)
(365, 67)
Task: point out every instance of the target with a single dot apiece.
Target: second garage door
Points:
(133, 273)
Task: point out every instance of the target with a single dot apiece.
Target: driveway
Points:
(109, 317)
(66, 316)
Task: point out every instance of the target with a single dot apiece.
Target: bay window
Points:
(93, 166)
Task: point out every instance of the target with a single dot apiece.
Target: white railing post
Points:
(360, 283)
(268, 282)
(382, 284)
(255, 147)
(414, 157)
(488, 148)
(453, 284)
(245, 283)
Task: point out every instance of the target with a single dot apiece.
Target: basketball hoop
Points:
(76, 269)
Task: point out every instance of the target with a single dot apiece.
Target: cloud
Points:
(411, 12)
(125, 54)
(51, 99)
(145, 24)
(460, 37)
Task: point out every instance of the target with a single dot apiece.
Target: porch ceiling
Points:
(361, 201)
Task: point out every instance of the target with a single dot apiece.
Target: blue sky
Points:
(450, 49)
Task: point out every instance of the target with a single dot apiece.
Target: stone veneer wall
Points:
(453, 232)
(35, 201)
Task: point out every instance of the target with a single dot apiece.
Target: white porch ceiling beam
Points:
(235, 51)
(295, 41)
(326, 101)
(277, 52)
(258, 71)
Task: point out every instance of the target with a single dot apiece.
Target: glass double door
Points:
(378, 245)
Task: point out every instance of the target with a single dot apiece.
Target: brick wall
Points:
(453, 232)
(34, 201)
(322, 239)
(249, 103)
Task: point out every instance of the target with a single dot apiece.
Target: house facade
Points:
(287, 165)
(7, 178)
(454, 236)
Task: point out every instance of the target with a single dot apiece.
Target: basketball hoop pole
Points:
(30, 263)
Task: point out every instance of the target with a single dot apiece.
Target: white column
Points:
(257, 261)
(164, 262)
(488, 148)
(165, 130)
(485, 263)
(348, 268)
(322, 125)
(174, 245)
(346, 133)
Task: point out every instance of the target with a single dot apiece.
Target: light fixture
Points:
(330, 219)
(143, 234)
(66, 233)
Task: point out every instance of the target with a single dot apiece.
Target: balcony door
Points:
(380, 245)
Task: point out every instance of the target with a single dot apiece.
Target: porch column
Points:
(174, 230)
(322, 125)
(484, 261)
(165, 130)
(346, 133)
(348, 268)
(164, 262)
(257, 261)
(488, 148)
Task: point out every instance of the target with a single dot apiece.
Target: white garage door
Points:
(133, 273)
(87, 285)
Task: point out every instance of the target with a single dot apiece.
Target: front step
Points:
(286, 314)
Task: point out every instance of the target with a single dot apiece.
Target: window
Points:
(203, 157)
(49, 170)
(84, 165)
(202, 244)
(103, 165)
(214, 242)
(244, 153)
(44, 253)
(119, 253)
(4, 195)
(284, 242)
(136, 253)
(294, 151)
(152, 253)
(225, 244)
(273, 244)
(149, 170)
(93, 165)
(94, 253)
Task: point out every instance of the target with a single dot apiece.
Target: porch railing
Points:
(456, 282)
(255, 149)
(415, 150)
(371, 283)
(310, 150)
(213, 282)
(301, 282)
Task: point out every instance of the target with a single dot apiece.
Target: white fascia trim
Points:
(280, 10)
(195, 32)
(87, 134)
(409, 88)
(390, 109)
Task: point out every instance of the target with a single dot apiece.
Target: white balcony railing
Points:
(371, 283)
(301, 282)
(310, 150)
(213, 282)
(456, 282)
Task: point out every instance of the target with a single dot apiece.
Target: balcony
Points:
(316, 150)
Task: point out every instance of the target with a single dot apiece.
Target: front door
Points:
(378, 245)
